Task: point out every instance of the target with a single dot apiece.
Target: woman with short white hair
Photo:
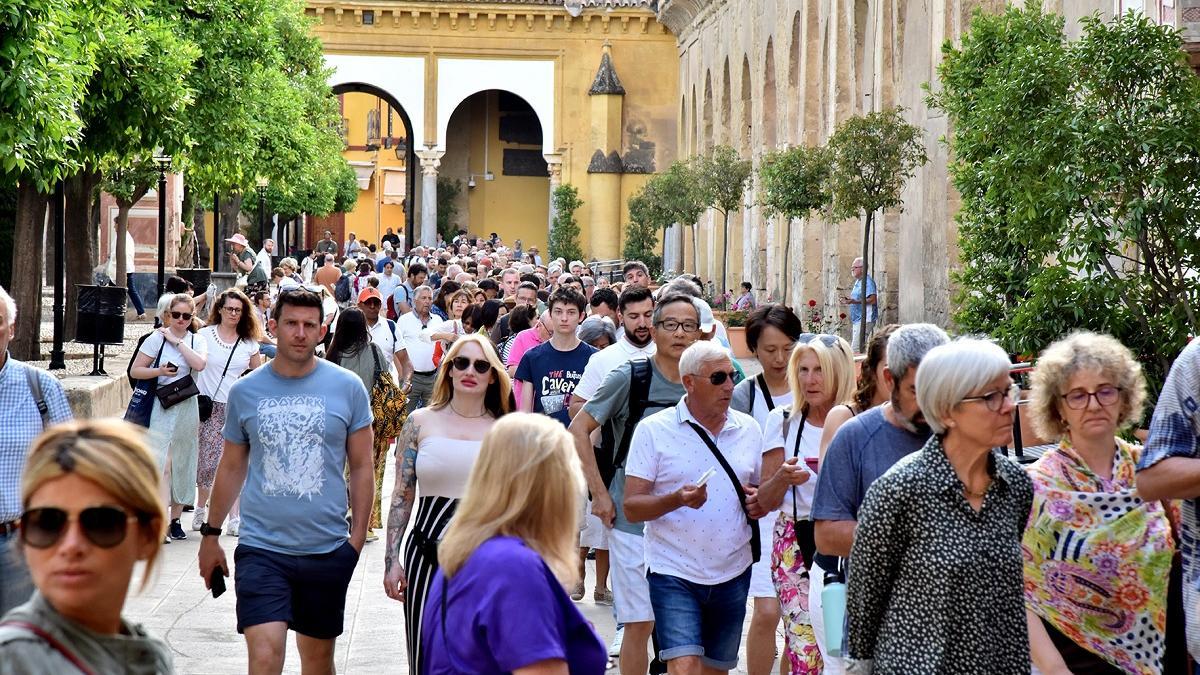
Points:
(936, 581)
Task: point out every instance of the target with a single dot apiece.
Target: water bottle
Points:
(833, 608)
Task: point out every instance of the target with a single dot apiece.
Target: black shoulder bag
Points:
(755, 543)
(206, 402)
(180, 390)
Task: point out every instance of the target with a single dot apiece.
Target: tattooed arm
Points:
(405, 492)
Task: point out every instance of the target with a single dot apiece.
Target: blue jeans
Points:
(15, 583)
(693, 619)
(137, 300)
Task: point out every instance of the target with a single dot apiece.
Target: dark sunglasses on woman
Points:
(186, 316)
(104, 526)
(463, 363)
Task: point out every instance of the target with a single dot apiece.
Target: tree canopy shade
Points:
(1084, 215)
(873, 157)
(721, 176)
(794, 183)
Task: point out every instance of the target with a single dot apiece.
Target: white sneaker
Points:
(614, 650)
(198, 518)
(231, 526)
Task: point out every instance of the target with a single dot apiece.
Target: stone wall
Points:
(763, 74)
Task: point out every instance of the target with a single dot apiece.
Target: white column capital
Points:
(554, 167)
(430, 161)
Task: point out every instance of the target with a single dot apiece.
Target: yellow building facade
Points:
(508, 99)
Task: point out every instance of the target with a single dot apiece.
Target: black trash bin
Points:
(197, 276)
(101, 315)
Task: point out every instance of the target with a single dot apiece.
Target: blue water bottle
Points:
(833, 608)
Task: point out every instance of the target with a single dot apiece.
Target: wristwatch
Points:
(206, 530)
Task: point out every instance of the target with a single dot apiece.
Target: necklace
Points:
(972, 493)
(470, 417)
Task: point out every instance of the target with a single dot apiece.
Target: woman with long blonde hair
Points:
(435, 453)
(90, 512)
(499, 602)
(821, 376)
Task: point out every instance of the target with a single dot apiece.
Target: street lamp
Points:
(260, 184)
(163, 162)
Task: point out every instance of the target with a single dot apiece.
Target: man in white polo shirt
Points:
(700, 537)
(415, 328)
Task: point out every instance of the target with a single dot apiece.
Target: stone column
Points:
(554, 168)
(430, 161)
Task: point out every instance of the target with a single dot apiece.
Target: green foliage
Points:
(667, 198)
(1082, 216)
(448, 190)
(640, 240)
(345, 197)
(564, 234)
(873, 156)
(795, 182)
(721, 177)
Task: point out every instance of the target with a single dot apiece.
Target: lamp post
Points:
(163, 162)
(260, 184)
(57, 354)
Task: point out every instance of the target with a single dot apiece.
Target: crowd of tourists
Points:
(542, 414)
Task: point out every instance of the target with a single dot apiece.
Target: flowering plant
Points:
(815, 320)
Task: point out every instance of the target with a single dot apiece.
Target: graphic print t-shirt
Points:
(294, 499)
(553, 375)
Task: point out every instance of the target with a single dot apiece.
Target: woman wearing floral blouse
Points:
(1097, 557)
(936, 581)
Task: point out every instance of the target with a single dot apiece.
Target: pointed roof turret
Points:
(606, 81)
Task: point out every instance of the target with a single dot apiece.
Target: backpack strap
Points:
(392, 327)
(639, 394)
(755, 541)
(35, 386)
(49, 639)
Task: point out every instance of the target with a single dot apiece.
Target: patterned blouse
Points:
(936, 587)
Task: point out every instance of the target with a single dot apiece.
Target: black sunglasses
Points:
(186, 316)
(104, 526)
(718, 378)
(463, 363)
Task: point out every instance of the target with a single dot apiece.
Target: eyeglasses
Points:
(232, 309)
(186, 316)
(462, 363)
(994, 400)
(104, 526)
(828, 340)
(1078, 399)
(718, 378)
(671, 325)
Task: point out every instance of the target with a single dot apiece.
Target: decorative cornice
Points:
(606, 82)
(602, 163)
(677, 15)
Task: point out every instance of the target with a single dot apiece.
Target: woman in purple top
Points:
(499, 603)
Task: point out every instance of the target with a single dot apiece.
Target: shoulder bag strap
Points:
(796, 453)
(236, 342)
(35, 386)
(755, 543)
(53, 642)
(762, 383)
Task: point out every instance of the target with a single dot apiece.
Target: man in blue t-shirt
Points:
(551, 370)
(860, 300)
(290, 430)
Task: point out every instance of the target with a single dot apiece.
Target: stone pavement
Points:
(202, 632)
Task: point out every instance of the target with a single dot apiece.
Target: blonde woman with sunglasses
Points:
(91, 512)
(434, 454)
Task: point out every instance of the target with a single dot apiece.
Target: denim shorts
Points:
(699, 620)
(308, 592)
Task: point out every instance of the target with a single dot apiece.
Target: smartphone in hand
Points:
(216, 582)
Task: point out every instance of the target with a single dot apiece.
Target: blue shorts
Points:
(699, 620)
(308, 592)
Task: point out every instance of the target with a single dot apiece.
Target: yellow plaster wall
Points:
(644, 55)
(371, 217)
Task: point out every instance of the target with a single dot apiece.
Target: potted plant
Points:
(735, 328)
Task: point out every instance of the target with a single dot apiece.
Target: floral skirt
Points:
(790, 575)
(212, 442)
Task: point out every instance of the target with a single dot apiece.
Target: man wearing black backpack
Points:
(633, 391)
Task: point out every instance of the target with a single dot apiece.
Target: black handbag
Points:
(178, 391)
(205, 403)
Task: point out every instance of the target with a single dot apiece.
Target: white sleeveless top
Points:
(443, 465)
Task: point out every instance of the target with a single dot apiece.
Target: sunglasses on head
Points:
(463, 363)
(827, 340)
(718, 378)
(104, 526)
(186, 316)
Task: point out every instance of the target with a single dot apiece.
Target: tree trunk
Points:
(695, 251)
(122, 227)
(28, 271)
(81, 241)
(724, 255)
(862, 307)
(787, 252)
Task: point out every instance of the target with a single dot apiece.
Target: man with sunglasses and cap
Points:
(690, 478)
(676, 326)
(32, 400)
(291, 430)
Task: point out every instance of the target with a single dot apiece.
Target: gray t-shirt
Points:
(294, 499)
(863, 449)
(611, 403)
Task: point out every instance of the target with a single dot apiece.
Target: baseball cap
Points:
(707, 321)
(368, 293)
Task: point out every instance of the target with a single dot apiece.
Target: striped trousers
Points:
(420, 564)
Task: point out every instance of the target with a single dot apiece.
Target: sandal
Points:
(577, 592)
(604, 597)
